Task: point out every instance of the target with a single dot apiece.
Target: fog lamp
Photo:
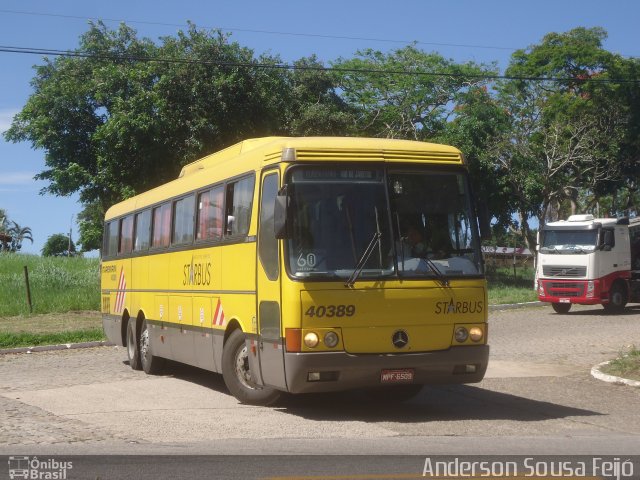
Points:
(476, 334)
(311, 340)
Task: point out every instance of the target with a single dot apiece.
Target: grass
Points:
(505, 288)
(13, 340)
(57, 284)
(627, 365)
(66, 298)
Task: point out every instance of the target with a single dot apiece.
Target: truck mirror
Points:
(607, 240)
(281, 214)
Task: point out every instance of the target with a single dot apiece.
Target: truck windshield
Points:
(569, 241)
(425, 231)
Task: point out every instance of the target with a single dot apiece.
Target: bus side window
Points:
(110, 239)
(209, 223)
(142, 231)
(161, 222)
(126, 235)
(238, 206)
(183, 212)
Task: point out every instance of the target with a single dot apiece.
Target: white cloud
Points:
(16, 178)
(6, 117)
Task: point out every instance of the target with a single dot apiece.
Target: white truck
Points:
(589, 261)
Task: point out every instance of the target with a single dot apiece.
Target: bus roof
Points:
(253, 154)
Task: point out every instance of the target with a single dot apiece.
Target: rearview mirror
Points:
(281, 214)
(484, 220)
(607, 240)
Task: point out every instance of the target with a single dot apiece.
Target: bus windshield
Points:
(417, 220)
(569, 241)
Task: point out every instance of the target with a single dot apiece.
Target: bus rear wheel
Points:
(151, 364)
(133, 348)
(561, 307)
(237, 375)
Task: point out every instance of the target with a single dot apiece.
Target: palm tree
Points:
(18, 235)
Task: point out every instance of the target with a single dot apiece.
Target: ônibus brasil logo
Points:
(33, 468)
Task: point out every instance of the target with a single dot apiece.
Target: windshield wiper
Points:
(444, 281)
(363, 259)
(366, 254)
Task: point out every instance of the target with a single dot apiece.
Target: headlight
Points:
(461, 334)
(311, 340)
(476, 334)
(331, 339)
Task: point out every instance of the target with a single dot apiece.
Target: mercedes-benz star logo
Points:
(400, 339)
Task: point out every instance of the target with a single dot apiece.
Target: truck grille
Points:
(564, 271)
(564, 289)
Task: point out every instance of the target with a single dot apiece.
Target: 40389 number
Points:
(331, 311)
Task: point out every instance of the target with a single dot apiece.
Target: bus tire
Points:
(151, 364)
(397, 394)
(237, 376)
(133, 347)
(617, 298)
(561, 307)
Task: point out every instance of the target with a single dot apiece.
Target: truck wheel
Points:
(561, 307)
(151, 364)
(617, 298)
(237, 376)
(133, 348)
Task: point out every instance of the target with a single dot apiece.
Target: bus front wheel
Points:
(237, 375)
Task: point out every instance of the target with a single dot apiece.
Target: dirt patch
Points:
(52, 322)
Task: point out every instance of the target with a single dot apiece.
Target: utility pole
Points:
(70, 229)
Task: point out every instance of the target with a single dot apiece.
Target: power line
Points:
(268, 32)
(284, 66)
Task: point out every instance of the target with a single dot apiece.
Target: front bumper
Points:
(570, 291)
(364, 370)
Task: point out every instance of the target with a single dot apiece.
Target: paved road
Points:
(538, 398)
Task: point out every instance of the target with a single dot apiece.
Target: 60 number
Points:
(331, 311)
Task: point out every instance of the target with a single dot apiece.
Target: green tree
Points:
(58, 245)
(478, 125)
(565, 136)
(5, 238)
(407, 93)
(12, 235)
(315, 107)
(128, 113)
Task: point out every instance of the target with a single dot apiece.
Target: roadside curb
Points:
(510, 306)
(49, 348)
(597, 374)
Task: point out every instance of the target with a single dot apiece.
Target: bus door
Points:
(270, 348)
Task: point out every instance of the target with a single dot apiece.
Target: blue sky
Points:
(463, 30)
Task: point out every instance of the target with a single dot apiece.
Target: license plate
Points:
(565, 300)
(396, 376)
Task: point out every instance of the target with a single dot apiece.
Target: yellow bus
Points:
(304, 265)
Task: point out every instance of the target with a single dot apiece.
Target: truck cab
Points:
(588, 261)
